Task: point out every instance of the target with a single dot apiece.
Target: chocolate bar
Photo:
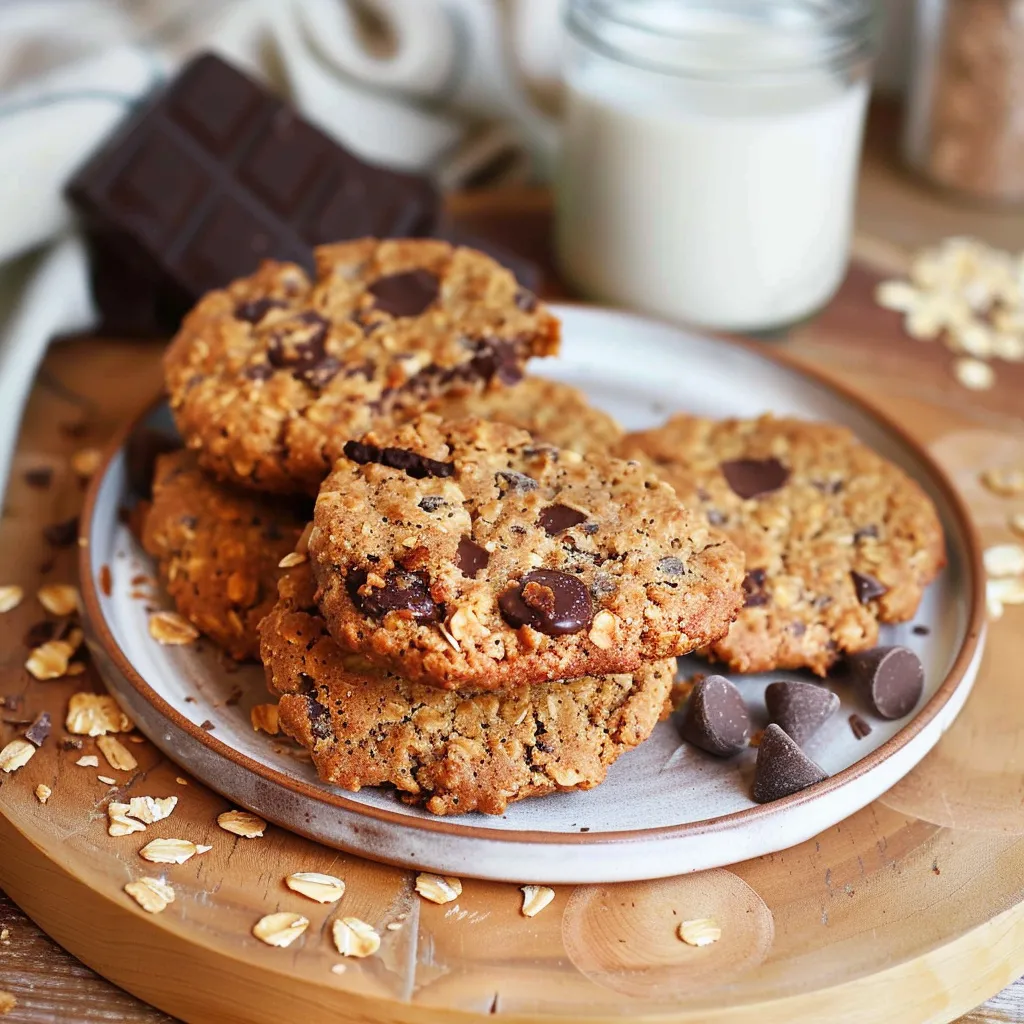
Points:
(213, 175)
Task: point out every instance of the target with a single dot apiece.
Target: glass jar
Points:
(965, 112)
(710, 154)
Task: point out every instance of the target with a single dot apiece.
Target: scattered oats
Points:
(438, 888)
(292, 559)
(1009, 347)
(169, 851)
(322, 888)
(973, 339)
(171, 629)
(1005, 560)
(994, 607)
(448, 636)
(302, 545)
(1016, 523)
(1006, 481)
(394, 926)
(75, 668)
(535, 899)
(280, 929)
(119, 823)
(136, 739)
(95, 714)
(5, 934)
(899, 296)
(151, 894)
(86, 461)
(50, 660)
(106, 780)
(604, 630)
(264, 719)
(118, 756)
(974, 374)
(74, 639)
(339, 969)
(43, 792)
(180, 781)
(88, 761)
(924, 322)
(353, 937)
(59, 598)
(700, 932)
(242, 823)
(7, 1002)
(16, 755)
(10, 597)
(151, 809)
(1005, 591)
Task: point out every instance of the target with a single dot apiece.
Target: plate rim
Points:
(455, 825)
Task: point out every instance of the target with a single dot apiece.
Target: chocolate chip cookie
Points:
(556, 413)
(836, 538)
(269, 376)
(469, 556)
(452, 753)
(217, 549)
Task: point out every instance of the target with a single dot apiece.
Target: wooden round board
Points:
(666, 807)
(914, 904)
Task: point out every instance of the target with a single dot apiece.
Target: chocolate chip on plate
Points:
(799, 709)
(403, 591)
(38, 732)
(892, 679)
(782, 767)
(716, 717)
(752, 478)
(859, 727)
(470, 558)
(406, 294)
(552, 602)
(556, 518)
(867, 587)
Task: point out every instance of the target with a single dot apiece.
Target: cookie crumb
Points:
(264, 719)
(535, 899)
(43, 792)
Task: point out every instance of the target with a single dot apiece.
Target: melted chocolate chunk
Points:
(716, 717)
(403, 591)
(552, 602)
(299, 344)
(754, 591)
(800, 709)
(319, 719)
(407, 294)
(497, 358)
(431, 503)
(255, 310)
(671, 566)
(867, 587)
(514, 483)
(556, 518)
(782, 767)
(412, 464)
(891, 678)
(752, 478)
(470, 558)
(320, 374)
(38, 732)
(62, 535)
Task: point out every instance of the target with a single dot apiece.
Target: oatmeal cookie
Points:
(468, 556)
(836, 538)
(452, 753)
(269, 376)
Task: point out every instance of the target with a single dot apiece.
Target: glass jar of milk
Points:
(710, 154)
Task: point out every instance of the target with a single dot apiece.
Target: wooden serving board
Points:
(915, 905)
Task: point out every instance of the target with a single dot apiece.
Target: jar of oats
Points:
(965, 115)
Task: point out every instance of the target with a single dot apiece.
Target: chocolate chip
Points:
(800, 709)
(319, 374)
(496, 358)
(552, 602)
(307, 684)
(515, 483)
(70, 743)
(716, 717)
(406, 294)
(921, 630)
(754, 591)
(470, 558)
(782, 767)
(859, 727)
(797, 628)
(867, 587)
(525, 300)
(39, 478)
(38, 732)
(411, 463)
(556, 518)
(865, 532)
(319, 719)
(299, 344)
(258, 371)
(715, 518)
(828, 486)
(892, 679)
(257, 309)
(405, 592)
(671, 566)
(431, 503)
(752, 478)
(62, 535)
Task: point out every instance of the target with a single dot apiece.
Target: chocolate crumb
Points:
(207, 726)
(70, 743)
(40, 477)
(859, 727)
(921, 630)
(38, 732)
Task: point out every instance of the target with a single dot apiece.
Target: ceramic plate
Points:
(665, 807)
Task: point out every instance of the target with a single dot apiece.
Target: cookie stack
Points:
(477, 613)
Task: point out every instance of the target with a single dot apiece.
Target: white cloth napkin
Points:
(438, 86)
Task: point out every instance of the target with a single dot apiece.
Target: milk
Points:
(721, 201)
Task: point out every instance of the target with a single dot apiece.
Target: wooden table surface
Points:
(895, 215)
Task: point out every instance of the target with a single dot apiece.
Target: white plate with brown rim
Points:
(666, 808)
